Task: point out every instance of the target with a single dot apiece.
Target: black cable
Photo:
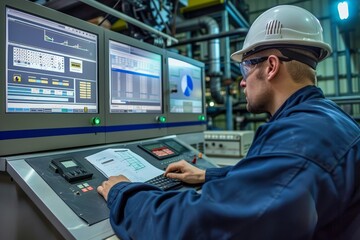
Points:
(162, 20)
(173, 27)
(107, 15)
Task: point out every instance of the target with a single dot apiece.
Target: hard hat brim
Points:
(325, 49)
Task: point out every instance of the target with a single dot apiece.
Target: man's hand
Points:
(105, 187)
(185, 172)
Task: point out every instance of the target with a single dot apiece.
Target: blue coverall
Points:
(299, 180)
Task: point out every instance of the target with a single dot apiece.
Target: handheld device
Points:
(70, 169)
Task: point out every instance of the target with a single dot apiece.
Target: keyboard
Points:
(165, 183)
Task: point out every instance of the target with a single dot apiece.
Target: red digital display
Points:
(162, 152)
(159, 150)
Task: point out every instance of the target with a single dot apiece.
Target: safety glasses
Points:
(247, 65)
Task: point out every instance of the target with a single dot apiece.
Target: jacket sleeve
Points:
(215, 173)
(257, 197)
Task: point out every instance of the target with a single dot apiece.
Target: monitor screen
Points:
(135, 79)
(50, 67)
(185, 83)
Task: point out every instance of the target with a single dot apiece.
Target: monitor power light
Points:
(161, 119)
(95, 121)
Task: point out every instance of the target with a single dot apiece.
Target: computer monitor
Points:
(52, 90)
(135, 89)
(185, 94)
(135, 79)
(185, 83)
(51, 70)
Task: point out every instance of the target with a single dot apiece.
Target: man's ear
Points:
(273, 67)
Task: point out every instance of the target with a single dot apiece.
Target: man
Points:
(301, 177)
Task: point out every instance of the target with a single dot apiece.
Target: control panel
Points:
(74, 180)
(63, 184)
(162, 152)
(228, 143)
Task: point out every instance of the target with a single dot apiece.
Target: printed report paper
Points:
(113, 162)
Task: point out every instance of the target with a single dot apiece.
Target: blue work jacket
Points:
(299, 180)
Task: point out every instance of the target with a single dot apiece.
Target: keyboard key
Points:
(165, 183)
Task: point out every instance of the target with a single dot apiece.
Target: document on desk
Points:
(113, 162)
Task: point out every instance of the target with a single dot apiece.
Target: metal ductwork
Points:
(213, 51)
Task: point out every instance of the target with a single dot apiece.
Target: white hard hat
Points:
(285, 25)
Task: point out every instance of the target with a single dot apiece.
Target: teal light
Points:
(161, 119)
(343, 10)
(95, 121)
(201, 118)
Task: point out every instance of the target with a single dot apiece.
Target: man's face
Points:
(256, 88)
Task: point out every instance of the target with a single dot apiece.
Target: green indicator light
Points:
(95, 121)
(162, 119)
(201, 118)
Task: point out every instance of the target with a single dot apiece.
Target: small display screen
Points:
(159, 150)
(69, 163)
(185, 82)
(177, 146)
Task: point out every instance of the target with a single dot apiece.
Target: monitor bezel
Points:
(131, 126)
(194, 64)
(38, 128)
(185, 122)
(145, 51)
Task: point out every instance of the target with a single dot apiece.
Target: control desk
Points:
(63, 184)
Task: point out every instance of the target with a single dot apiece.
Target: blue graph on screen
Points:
(187, 85)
